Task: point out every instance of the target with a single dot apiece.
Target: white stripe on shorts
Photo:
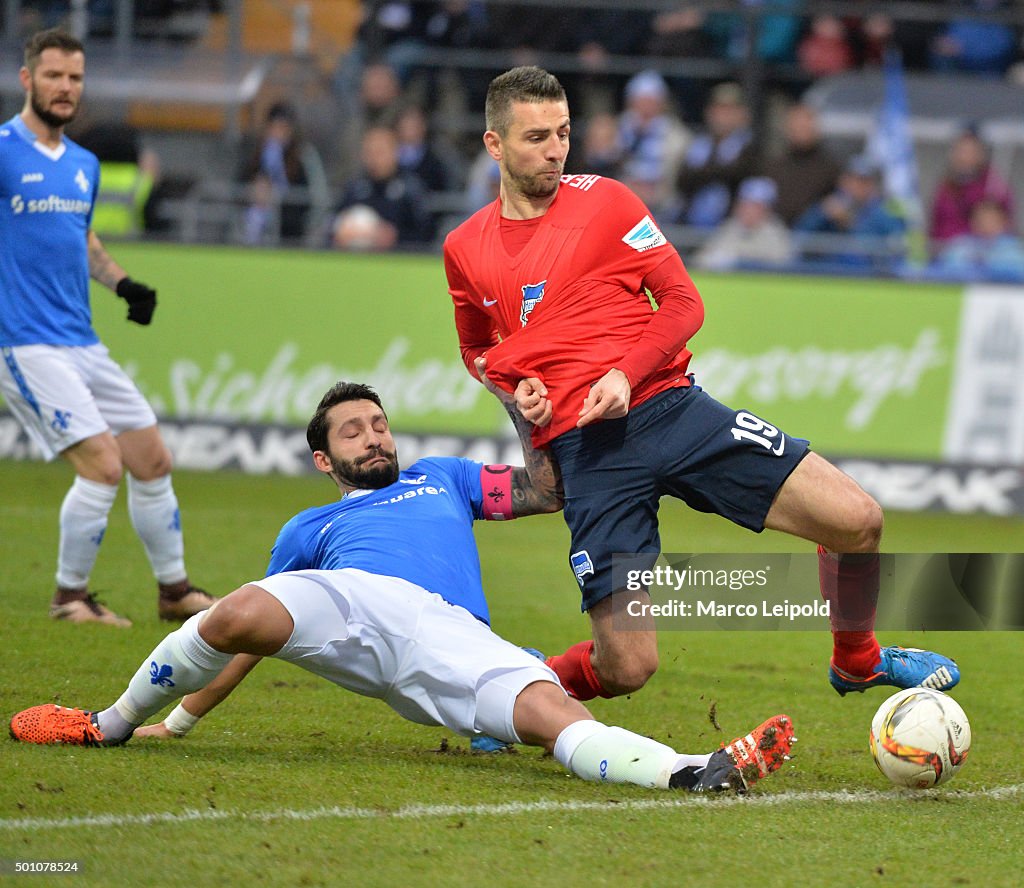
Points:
(64, 394)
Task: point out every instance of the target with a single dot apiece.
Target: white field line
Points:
(426, 812)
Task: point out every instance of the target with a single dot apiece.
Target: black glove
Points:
(140, 298)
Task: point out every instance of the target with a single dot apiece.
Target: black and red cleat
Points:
(740, 764)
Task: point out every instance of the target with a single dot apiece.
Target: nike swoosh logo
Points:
(489, 302)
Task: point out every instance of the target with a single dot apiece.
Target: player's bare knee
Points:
(241, 624)
(103, 467)
(866, 520)
(156, 466)
(107, 472)
(217, 627)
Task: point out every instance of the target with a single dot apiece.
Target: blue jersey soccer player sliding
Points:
(381, 595)
(419, 529)
(59, 381)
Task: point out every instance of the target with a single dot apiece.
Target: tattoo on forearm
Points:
(102, 267)
(537, 487)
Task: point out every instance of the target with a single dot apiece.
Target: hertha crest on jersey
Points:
(532, 294)
(644, 236)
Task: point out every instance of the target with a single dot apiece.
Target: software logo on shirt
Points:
(82, 182)
(644, 236)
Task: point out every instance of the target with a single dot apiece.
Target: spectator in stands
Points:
(874, 34)
(392, 32)
(680, 33)
(395, 199)
(990, 251)
(969, 178)
(975, 46)
(826, 48)
(380, 93)
(458, 25)
(601, 150)
(275, 162)
(527, 30)
(591, 35)
(368, 95)
(653, 141)
(718, 159)
(804, 170)
(878, 31)
(753, 236)
(482, 182)
(415, 155)
(855, 209)
(777, 31)
(399, 33)
(599, 35)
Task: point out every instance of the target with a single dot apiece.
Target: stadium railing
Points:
(213, 211)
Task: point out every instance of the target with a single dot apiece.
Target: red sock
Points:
(575, 672)
(849, 583)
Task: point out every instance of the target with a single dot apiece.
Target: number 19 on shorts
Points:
(749, 428)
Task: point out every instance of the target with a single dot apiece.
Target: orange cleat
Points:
(740, 764)
(50, 723)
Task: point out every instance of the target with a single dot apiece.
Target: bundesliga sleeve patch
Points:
(644, 236)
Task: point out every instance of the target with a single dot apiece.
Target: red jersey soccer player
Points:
(549, 286)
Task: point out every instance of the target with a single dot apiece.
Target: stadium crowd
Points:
(737, 169)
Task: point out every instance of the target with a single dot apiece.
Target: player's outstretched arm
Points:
(193, 707)
(536, 486)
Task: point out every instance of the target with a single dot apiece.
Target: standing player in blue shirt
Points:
(71, 398)
(381, 594)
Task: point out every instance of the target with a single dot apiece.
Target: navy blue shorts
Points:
(681, 443)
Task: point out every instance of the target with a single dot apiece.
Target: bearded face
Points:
(55, 86)
(374, 470)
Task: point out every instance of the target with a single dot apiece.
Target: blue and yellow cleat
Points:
(486, 744)
(900, 667)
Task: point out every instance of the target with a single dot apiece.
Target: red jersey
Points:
(571, 304)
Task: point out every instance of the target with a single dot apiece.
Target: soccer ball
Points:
(920, 738)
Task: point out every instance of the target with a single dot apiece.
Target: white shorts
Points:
(430, 661)
(64, 394)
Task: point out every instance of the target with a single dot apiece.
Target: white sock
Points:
(180, 664)
(153, 508)
(83, 521)
(595, 751)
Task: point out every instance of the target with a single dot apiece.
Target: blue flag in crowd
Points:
(892, 148)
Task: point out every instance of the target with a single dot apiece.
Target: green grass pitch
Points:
(294, 782)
